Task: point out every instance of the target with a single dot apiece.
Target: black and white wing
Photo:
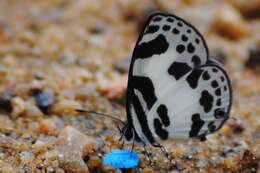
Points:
(174, 89)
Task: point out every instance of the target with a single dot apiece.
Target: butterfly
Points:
(175, 91)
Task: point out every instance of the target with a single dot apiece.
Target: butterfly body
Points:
(175, 91)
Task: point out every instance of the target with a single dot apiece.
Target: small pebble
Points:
(71, 147)
(18, 105)
(7, 169)
(116, 87)
(48, 127)
(148, 170)
(229, 23)
(94, 163)
(31, 110)
(26, 157)
(254, 58)
(249, 9)
(249, 162)
(44, 100)
(5, 101)
(66, 106)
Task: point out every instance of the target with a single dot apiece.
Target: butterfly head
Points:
(129, 134)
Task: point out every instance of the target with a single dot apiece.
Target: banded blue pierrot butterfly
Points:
(174, 89)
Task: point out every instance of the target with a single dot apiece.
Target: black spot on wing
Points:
(196, 60)
(193, 78)
(205, 76)
(184, 38)
(215, 70)
(145, 86)
(197, 40)
(156, 46)
(180, 48)
(170, 20)
(197, 124)
(142, 118)
(190, 48)
(214, 84)
(162, 133)
(179, 24)
(178, 69)
(152, 29)
(166, 27)
(206, 100)
(218, 92)
(163, 114)
(219, 102)
(175, 31)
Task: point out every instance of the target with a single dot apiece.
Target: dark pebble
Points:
(5, 101)
(99, 29)
(223, 154)
(44, 100)
(175, 167)
(254, 57)
(238, 129)
(249, 162)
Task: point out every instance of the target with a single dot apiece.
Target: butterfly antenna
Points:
(97, 113)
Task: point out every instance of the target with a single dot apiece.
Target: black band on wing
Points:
(145, 86)
(142, 118)
(156, 46)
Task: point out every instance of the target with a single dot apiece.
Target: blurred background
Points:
(61, 55)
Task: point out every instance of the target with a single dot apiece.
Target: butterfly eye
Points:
(128, 132)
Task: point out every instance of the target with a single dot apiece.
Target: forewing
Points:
(167, 49)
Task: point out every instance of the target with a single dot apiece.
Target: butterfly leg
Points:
(121, 137)
(133, 146)
(123, 143)
(148, 154)
(163, 150)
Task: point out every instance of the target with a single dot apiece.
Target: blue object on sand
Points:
(121, 159)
